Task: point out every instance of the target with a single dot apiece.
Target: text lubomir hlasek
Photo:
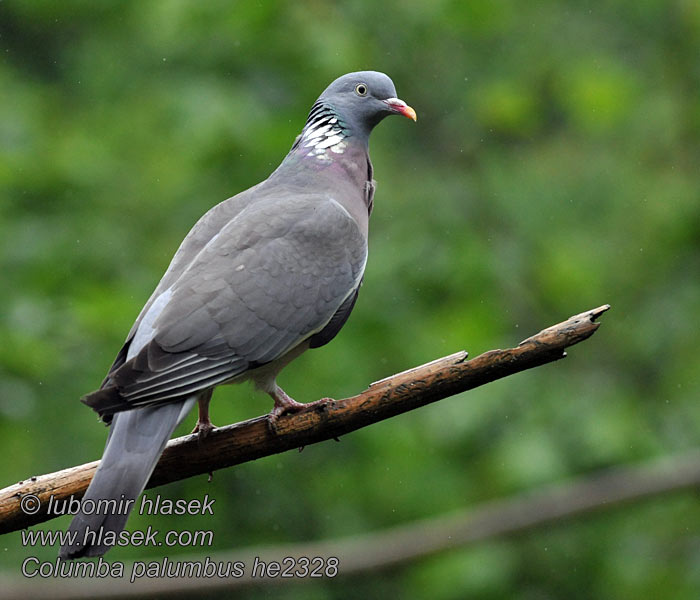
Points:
(122, 505)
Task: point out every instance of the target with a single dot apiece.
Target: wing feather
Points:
(270, 279)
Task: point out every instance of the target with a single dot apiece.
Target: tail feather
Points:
(136, 441)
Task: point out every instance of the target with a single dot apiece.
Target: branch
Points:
(234, 444)
(397, 546)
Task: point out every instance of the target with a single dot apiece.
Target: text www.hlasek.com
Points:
(150, 537)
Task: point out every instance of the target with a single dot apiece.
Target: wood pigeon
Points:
(259, 279)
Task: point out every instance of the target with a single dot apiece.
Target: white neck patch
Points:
(323, 136)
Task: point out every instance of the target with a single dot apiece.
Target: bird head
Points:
(363, 99)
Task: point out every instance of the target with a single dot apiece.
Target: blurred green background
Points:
(553, 168)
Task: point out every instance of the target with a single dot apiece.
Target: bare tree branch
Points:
(226, 446)
(400, 545)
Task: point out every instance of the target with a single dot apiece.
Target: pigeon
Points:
(260, 278)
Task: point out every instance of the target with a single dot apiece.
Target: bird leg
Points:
(204, 424)
(284, 404)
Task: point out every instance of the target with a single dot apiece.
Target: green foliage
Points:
(553, 168)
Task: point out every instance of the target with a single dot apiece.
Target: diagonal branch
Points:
(398, 546)
(234, 444)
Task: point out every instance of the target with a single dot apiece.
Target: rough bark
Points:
(26, 502)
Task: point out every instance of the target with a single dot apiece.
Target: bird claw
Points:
(286, 405)
(203, 429)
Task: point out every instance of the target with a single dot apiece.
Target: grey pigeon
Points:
(259, 279)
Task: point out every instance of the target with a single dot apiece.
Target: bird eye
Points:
(361, 89)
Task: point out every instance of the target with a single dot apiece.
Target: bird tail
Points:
(135, 442)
